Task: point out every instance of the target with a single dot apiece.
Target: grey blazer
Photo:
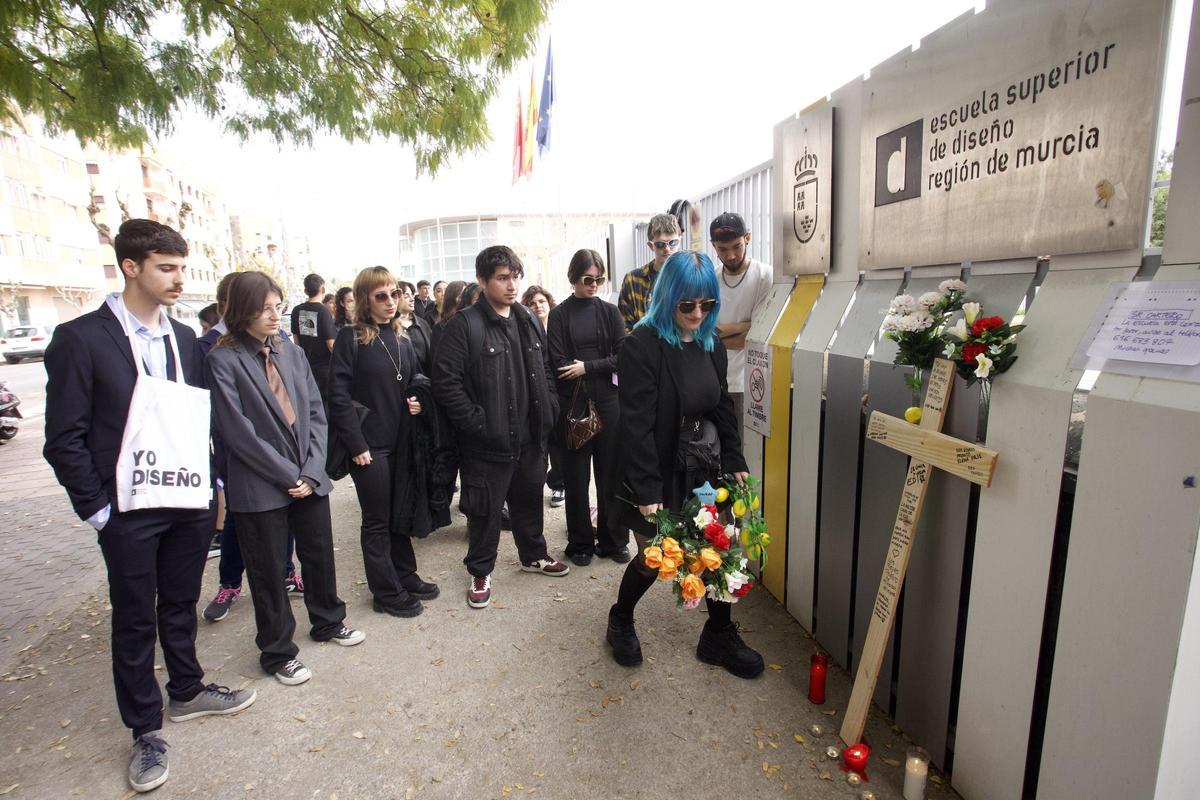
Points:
(266, 455)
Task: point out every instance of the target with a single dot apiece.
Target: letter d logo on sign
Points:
(898, 164)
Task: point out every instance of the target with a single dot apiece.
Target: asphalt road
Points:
(28, 380)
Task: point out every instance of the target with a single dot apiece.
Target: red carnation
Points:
(712, 510)
(986, 324)
(742, 590)
(971, 350)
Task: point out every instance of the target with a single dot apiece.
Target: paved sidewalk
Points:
(49, 559)
(518, 700)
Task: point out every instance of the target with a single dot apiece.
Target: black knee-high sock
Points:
(633, 585)
(718, 613)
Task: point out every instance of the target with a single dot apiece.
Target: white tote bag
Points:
(164, 460)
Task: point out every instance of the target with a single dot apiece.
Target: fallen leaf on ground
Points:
(317, 747)
(359, 735)
(825, 776)
(775, 667)
(8, 789)
(830, 712)
(633, 683)
(595, 684)
(299, 717)
(891, 762)
(437, 662)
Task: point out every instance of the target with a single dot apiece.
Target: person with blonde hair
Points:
(372, 405)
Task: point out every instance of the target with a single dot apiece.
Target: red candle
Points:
(855, 758)
(816, 678)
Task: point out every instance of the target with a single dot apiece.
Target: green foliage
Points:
(116, 71)
(1158, 219)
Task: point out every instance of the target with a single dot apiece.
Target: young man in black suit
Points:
(155, 557)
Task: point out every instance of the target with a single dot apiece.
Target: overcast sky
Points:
(655, 101)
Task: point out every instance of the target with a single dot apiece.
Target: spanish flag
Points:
(519, 141)
(531, 122)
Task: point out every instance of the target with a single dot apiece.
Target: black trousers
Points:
(599, 454)
(262, 535)
(155, 561)
(486, 485)
(388, 557)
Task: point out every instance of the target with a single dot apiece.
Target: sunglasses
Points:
(382, 297)
(672, 243)
(688, 306)
(589, 280)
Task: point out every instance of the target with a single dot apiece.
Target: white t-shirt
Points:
(750, 290)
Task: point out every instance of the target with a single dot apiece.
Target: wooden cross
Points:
(929, 449)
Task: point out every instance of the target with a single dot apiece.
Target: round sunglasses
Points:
(382, 297)
(688, 306)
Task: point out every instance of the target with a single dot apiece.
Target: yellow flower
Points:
(739, 508)
(764, 538)
(722, 494)
(671, 550)
(710, 559)
(691, 587)
(695, 565)
(668, 571)
(653, 557)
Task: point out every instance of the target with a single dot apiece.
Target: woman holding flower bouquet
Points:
(678, 430)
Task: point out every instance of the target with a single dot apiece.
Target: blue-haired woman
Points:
(678, 429)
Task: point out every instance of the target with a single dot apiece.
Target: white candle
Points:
(916, 771)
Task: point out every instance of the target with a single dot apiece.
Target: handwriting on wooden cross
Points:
(930, 449)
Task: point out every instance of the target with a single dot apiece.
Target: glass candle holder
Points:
(816, 678)
(916, 773)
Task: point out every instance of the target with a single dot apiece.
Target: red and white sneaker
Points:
(546, 566)
(479, 593)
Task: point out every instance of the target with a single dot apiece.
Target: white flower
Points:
(924, 320)
(914, 322)
(691, 603)
(985, 366)
(735, 580)
(959, 331)
(744, 564)
(970, 311)
(953, 285)
(716, 594)
(890, 323)
(996, 349)
(903, 304)
(731, 531)
(929, 299)
(703, 517)
(949, 351)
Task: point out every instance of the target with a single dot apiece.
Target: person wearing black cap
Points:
(745, 284)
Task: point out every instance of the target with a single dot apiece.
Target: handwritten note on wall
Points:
(1156, 323)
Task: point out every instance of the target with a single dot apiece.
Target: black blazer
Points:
(420, 334)
(266, 455)
(90, 377)
(650, 417)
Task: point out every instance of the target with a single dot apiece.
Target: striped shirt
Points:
(634, 299)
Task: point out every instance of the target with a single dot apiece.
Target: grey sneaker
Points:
(148, 765)
(213, 699)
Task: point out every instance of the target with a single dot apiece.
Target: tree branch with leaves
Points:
(117, 73)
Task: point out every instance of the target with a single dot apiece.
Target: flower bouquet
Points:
(703, 556)
(980, 346)
(915, 326)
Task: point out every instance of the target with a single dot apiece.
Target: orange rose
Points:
(653, 557)
(710, 558)
(668, 571)
(691, 587)
(695, 566)
(672, 550)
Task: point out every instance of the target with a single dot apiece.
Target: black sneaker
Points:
(423, 590)
(580, 559)
(621, 555)
(214, 547)
(626, 649)
(505, 518)
(725, 648)
(557, 498)
(218, 609)
(292, 673)
(409, 607)
(347, 637)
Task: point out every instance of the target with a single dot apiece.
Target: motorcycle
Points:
(10, 413)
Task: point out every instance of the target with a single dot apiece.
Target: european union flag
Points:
(545, 106)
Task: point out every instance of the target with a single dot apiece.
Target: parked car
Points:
(26, 341)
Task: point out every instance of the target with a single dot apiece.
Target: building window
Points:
(110, 271)
(97, 199)
(93, 168)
